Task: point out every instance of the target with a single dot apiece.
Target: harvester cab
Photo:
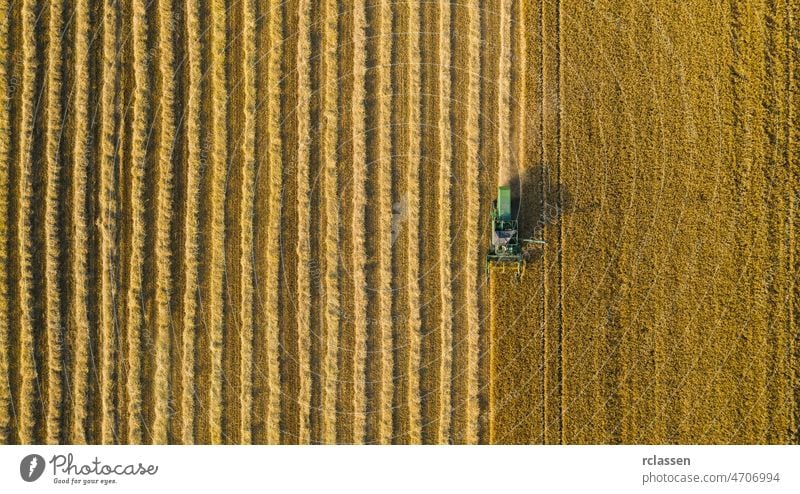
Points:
(506, 247)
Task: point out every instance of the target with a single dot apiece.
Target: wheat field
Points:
(253, 221)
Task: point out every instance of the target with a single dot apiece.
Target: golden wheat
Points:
(191, 310)
(219, 166)
(412, 179)
(444, 168)
(793, 157)
(505, 171)
(139, 145)
(303, 221)
(80, 255)
(330, 291)
(5, 166)
(429, 356)
(28, 364)
(552, 233)
(164, 281)
(52, 242)
(469, 300)
(276, 294)
(246, 220)
(275, 165)
(463, 265)
(383, 232)
(405, 259)
(776, 409)
(358, 241)
(108, 202)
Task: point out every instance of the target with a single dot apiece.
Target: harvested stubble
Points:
(5, 166)
(258, 221)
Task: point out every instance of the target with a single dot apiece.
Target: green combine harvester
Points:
(506, 247)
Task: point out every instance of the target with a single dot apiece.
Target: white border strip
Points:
(367, 469)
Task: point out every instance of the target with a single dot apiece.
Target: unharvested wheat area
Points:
(228, 221)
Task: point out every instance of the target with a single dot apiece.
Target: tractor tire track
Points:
(793, 159)
(552, 253)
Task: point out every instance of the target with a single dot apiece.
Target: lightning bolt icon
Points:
(32, 466)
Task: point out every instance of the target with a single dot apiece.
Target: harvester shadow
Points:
(538, 202)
